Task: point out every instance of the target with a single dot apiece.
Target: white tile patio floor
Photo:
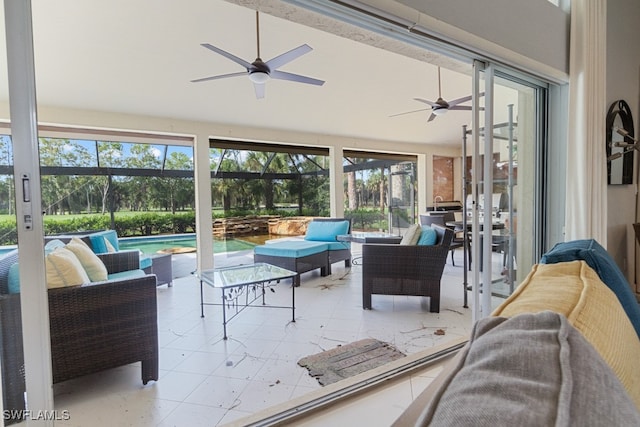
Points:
(206, 381)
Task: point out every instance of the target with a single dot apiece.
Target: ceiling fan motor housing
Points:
(259, 71)
(441, 104)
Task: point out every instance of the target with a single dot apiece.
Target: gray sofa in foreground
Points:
(561, 350)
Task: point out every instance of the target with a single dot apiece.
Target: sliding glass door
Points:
(503, 182)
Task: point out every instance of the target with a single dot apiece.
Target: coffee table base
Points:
(238, 297)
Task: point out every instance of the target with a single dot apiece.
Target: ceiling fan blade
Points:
(463, 99)
(259, 88)
(431, 117)
(222, 76)
(431, 103)
(281, 75)
(463, 107)
(459, 100)
(227, 55)
(287, 57)
(408, 112)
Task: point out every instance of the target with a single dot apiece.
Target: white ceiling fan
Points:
(259, 71)
(441, 106)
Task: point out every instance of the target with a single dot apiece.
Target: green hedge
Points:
(139, 224)
(130, 224)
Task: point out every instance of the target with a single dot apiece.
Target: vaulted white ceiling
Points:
(138, 57)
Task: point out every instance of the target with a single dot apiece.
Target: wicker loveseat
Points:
(93, 327)
(392, 269)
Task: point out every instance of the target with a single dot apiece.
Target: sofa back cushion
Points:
(52, 245)
(529, 370)
(574, 290)
(6, 261)
(326, 231)
(598, 259)
(13, 286)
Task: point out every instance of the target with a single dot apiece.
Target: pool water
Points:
(151, 245)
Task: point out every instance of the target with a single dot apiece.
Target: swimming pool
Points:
(153, 244)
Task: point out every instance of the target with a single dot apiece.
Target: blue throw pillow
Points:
(428, 236)
(600, 261)
(99, 241)
(326, 231)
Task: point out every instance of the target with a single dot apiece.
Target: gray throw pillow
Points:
(529, 370)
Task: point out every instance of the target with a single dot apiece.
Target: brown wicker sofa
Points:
(93, 327)
(392, 269)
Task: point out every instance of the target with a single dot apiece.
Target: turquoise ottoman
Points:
(295, 255)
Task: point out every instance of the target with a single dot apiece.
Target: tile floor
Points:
(207, 381)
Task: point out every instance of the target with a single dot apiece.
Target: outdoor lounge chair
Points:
(319, 249)
(389, 269)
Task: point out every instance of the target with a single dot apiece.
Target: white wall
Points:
(623, 67)
(529, 35)
(526, 27)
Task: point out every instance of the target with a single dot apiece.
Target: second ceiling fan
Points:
(440, 106)
(259, 71)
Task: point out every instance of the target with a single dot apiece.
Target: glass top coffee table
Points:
(369, 237)
(241, 286)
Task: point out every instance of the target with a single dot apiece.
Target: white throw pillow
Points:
(64, 269)
(412, 235)
(93, 265)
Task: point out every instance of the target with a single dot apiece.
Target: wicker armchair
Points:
(93, 327)
(405, 269)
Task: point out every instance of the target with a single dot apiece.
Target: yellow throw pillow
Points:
(574, 290)
(64, 269)
(93, 265)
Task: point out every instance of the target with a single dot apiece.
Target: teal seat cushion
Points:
(291, 248)
(428, 236)
(326, 231)
(98, 243)
(130, 274)
(13, 282)
(600, 261)
(145, 262)
(338, 246)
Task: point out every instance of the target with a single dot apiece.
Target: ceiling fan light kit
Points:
(259, 71)
(259, 77)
